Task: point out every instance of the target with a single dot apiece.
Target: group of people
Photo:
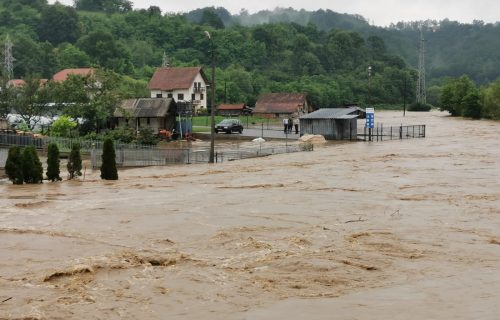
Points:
(289, 124)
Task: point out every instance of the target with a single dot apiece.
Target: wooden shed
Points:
(154, 113)
(332, 123)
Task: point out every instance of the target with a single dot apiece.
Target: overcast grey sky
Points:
(378, 12)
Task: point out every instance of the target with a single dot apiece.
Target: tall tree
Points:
(58, 24)
(454, 93)
(31, 166)
(74, 162)
(53, 163)
(108, 166)
(30, 100)
(13, 165)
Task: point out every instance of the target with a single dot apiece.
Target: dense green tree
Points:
(29, 100)
(491, 101)
(74, 162)
(454, 94)
(108, 6)
(53, 163)
(108, 166)
(13, 165)
(147, 137)
(106, 51)
(63, 127)
(69, 56)
(58, 24)
(210, 17)
(31, 166)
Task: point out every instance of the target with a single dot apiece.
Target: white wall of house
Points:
(200, 96)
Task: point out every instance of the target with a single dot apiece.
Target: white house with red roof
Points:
(181, 84)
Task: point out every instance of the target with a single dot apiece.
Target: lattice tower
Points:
(421, 88)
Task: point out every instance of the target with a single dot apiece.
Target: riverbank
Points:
(403, 229)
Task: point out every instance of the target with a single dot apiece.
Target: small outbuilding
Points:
(282, 105)
(155, 113)
(231, 109)
(332, 123)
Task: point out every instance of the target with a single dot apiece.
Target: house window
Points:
(201, 96)
(193, 96)
(180, 96)
(169, 95)
(159, 95)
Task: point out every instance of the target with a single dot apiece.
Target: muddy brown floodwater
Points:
(385, 230)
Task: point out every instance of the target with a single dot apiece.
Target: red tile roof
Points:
(21, 82)
(239, 106)
(280, 102)
(63, 75)
(169, 78)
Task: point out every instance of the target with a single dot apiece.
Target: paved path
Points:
(255, 133)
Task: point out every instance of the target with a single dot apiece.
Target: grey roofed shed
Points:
(146, 108)
(332, 123)
(156, 113)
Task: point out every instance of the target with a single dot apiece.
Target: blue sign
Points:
(370, 120)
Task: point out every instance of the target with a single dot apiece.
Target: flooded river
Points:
(385, 230)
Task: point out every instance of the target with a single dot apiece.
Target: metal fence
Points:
(3, 157)
(134, 155)
(64, 144)
(381, 133)
(159, 156)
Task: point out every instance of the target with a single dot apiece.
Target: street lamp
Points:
(212, 109)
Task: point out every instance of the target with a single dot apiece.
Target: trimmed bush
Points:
(53, 163)
(108, 167)
(417, 106)
(13, 166)
(74, 162)
(31, 166)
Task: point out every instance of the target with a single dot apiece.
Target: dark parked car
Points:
(229, 125)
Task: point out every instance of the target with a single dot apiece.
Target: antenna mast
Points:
(421, 89)
(8, 58)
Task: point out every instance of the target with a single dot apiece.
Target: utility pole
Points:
(8, 58)
(404, 95)
(369, 85)
(421, 89)
(212, 109)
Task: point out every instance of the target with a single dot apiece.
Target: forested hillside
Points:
(453, 48)
(326, 54)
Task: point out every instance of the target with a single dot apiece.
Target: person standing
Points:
(290, 125)
(296, 125)
(285, 125)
